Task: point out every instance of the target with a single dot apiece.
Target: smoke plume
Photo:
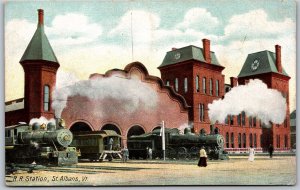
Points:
(127, 94)
(255, 99)
(41, 120)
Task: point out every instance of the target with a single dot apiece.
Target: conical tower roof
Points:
(39, 47)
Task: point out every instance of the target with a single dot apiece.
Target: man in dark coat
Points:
(271, 150)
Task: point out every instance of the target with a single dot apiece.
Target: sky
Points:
(95, 36)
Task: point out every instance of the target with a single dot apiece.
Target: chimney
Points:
(206, 50)
(233, 82)
(278, 58)
(174, 49)
(41, 17)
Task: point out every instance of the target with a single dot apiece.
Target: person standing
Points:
(271, 150)
(251, 154)
(203, 158)
(110, 143)
(150, 153)
(125, 154)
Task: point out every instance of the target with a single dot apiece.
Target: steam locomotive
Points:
(179, 146)
(42, 144)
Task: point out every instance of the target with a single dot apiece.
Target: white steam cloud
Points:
(41, 120)
(127, 94)
(255, 99)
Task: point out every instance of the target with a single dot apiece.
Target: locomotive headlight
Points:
(67, 137)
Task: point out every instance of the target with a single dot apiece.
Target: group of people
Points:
(203, 156)
(252, 152)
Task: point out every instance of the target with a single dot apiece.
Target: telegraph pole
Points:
(163, 140)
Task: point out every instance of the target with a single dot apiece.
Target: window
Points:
(251, 139)
(232, 140)
(240, 140)
(185, 84)
(231, 119)
(285, 141)
(250, 121)
(254, 121)
(239, 119)
(255, 140)
(176, 84)
(217, 87)
(244, 140)
(197, 83)
(243, 118)
(278, 141)
(201, 112)
(261, 141)
(210, 87)
(204, 85)
(227, 140)
(46, 98)
(168, 83)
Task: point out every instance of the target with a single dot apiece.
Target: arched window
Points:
(185, 84)
(204, 85)
(201, 112)
(232, 140)
(244, 140)
(255, 141)
(240, 140)
(251, 139)
(239, 119)
(231, 119)
(210, 87)
(217, 87)
(243, 118)
(227, 140)
(46, 97)
(176, 84)
(197, 83)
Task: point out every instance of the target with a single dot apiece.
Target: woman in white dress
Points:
(251, 154)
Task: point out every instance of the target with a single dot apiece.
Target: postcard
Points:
(150, 93)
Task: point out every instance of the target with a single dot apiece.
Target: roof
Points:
(14, 105)
(185, 54)
(39, 47)
(293, 115)
(266, 64)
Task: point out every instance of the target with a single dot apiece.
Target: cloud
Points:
(143, 25)
(198, 19)
(73, 29)
(255, 25)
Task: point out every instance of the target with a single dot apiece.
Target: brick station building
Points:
(191, 78)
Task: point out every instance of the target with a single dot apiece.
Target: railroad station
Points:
(191, 78)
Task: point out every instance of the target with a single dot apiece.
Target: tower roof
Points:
(39, 47)
(187, 53)
(259, 63)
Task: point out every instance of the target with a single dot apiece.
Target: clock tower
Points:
(194, 73)
(267, 66)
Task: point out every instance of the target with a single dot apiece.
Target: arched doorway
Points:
(156, 128)
(113, 127)
(80, 126)
(135, 130)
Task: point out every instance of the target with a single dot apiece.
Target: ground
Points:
(238, 170)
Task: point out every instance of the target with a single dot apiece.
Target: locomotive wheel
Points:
(182, 153)
(171, 153)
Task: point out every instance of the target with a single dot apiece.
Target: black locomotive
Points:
(179, 146)
(42, 144)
